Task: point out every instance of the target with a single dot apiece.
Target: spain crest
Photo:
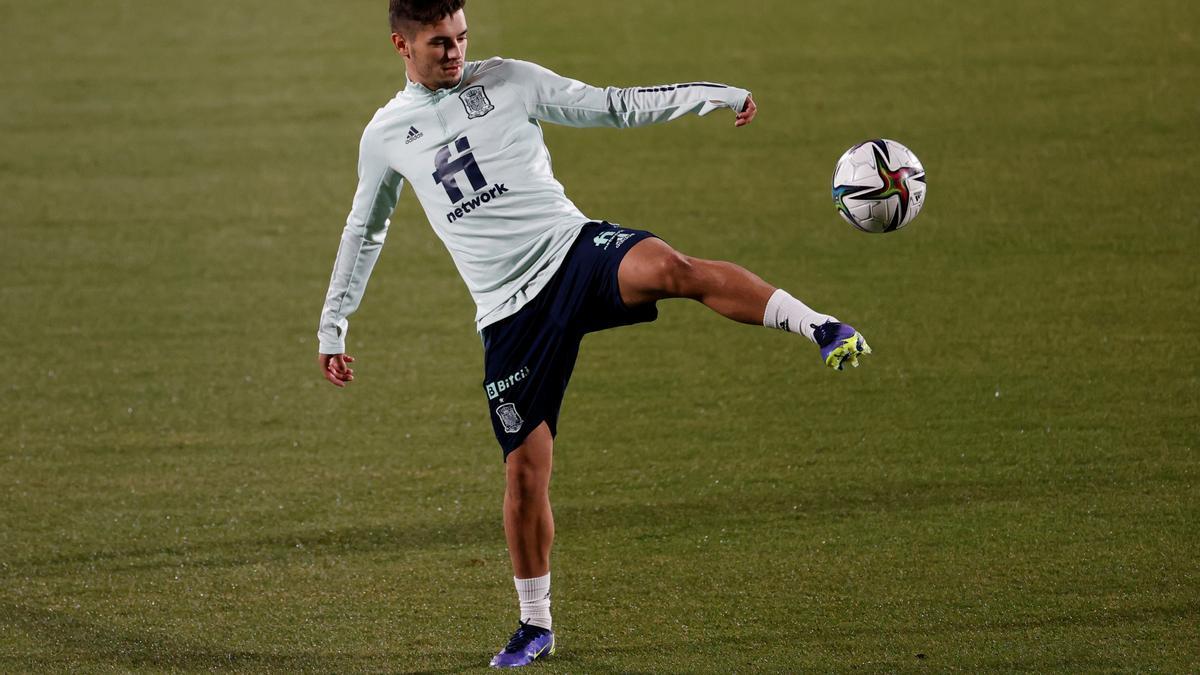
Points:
(475, 101)
(510, 419)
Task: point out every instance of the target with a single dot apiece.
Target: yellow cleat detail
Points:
(848, 352)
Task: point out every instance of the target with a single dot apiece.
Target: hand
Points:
(334, 368)
(749, 110)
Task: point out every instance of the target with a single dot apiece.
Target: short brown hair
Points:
(404, 13)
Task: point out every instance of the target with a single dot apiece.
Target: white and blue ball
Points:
(879, 186)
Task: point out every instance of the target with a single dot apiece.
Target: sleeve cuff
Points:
(327, 346)
(734, 99)
(738, 99)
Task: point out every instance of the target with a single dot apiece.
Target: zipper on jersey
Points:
(437, 102)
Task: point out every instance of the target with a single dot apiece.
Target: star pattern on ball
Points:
(895, 184)
(841, 192)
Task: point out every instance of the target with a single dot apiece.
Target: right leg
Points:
(528, 520)
(529, 530)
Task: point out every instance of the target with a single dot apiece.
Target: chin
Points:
(443, 82)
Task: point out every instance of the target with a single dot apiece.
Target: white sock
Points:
(787, 313)
(534, 595)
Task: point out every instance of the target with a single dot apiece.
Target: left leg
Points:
(652, 270)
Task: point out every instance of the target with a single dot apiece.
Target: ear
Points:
(401, 44)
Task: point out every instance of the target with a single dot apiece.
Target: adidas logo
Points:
(785, 325)
(413, 135)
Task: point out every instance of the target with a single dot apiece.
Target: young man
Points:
(465, 135)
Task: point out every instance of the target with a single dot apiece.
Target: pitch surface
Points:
(1010, 482)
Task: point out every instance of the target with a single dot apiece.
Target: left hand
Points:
(749, 110)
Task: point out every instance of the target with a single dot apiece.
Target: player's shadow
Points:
(232, 552)
(86, 645)
(584, 516)
(94, 642)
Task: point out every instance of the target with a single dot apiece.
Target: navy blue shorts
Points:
(528, 357)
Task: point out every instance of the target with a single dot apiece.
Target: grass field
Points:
(1010, 483)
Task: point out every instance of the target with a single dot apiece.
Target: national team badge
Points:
(510, 418)
(476, 102)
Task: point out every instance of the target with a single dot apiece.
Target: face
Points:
(434, 53)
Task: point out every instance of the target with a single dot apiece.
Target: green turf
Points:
(1010, 483)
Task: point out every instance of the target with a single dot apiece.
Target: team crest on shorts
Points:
(475, 101)
(509, 418)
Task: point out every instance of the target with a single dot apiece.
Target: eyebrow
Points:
(438, 38)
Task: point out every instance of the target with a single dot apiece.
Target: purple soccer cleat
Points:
(528, 644)
(840, 344)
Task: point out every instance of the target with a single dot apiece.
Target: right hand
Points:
(334, 368)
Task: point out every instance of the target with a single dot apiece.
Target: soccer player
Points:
(466, 136)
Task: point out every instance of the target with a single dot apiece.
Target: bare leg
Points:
(652, 270)
(528, 521)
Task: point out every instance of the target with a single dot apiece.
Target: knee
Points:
(526, 481)
(678, 275)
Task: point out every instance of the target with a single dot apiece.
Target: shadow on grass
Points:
(1117, 617)
(582, 516)
(234, 552)
(77, 644)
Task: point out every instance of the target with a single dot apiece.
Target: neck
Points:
(432, 86)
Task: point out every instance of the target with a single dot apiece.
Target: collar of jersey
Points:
(420, 91)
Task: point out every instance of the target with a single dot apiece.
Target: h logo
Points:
(604, 238)
(447, 170)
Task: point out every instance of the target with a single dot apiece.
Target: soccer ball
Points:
(879, 186)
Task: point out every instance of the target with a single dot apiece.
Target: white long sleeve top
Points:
(475, 157)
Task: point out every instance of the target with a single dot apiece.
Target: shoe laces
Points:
(826, 333)
(524, 635)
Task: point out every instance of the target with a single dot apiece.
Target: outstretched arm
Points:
(362, 239)
(551, 97)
